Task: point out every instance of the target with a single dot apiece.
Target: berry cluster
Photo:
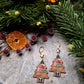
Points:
(33, 40)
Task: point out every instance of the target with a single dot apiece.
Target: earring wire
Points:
(59, 45)
(57, 42)
(41, 52)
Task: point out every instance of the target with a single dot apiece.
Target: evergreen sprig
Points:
(71, 26)
(30, 14)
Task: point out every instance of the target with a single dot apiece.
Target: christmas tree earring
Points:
(41, 72)
(57, 65)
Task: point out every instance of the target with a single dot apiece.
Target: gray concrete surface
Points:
(19, 70)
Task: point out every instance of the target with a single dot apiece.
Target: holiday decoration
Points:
(41, 72)
(7, 12)
(16, 40)
(68, 19)
(52, 1)
(44, 38)
(47, 7)
(57, 66)
(18, 51)
(6, 52)
(33, 40)
(38, 23)
(60, 3)
(44, 0)
(70, 46)
(82, 70)
(2, 36)
(17, 13)
(28, 46)
(51, 32)
(73, 2)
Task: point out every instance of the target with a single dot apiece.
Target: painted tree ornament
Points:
(57, 65)
(16, 40)
(41, 72)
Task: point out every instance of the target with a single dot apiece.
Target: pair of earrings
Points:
(57, 66)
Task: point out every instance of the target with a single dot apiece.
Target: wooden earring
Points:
(57, 65)
(41, 72)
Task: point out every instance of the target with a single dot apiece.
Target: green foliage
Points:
(79, 5)
(68, 22)
(30, 14)
(71, 26)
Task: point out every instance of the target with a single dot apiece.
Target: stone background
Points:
(19, 70)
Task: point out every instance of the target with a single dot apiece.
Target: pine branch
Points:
(70, 25)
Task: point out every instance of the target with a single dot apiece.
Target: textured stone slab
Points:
(19, 70)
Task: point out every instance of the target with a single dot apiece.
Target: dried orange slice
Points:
(16, 40)
(52, 1)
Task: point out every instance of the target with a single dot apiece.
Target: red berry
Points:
(6, 52)
(73, 2)
(18, 50)
(50, 31)
(44, 38)
(27, 46)
(2, 35)
(33, 38)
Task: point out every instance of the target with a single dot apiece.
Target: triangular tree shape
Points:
(57, 66)
(41, 72)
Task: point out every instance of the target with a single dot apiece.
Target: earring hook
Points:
(41, 49)
(58, 45)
